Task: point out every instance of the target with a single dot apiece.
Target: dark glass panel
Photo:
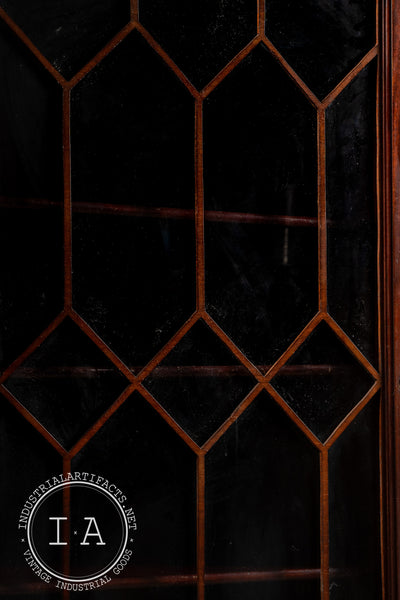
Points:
(69, 32)
(262, 494)
(201, 37)
(322, 382)
(354, 509)
(147, 460)
(87, 560)
(132, 131)
(321, 40)
(271, 590)
(26, 461)
(261, 284)
(31, 126)
(134, 280)
(261, 277)
(260, 142)
(200, 382)
(31, 242)
(111, 592)
(31, 266)
(351, 211)
(67, 383)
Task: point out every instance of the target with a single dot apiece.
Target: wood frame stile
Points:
(389, 186)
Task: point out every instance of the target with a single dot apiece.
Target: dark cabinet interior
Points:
(191, 287)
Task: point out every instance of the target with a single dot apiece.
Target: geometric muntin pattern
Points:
(263, 374)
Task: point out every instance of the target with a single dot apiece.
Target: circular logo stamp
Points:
(78, 531)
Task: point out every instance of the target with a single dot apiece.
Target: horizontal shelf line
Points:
(216, 216)
(148, 581)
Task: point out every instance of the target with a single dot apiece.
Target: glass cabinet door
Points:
(191, 300)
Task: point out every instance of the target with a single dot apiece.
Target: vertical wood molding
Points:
(390, 190)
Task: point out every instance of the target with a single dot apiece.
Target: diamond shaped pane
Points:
(67, 383)
(200, 382)
(322, 382)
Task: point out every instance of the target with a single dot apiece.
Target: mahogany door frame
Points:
(389, 125)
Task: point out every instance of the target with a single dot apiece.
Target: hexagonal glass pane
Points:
(133, 201)
(261, 207)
